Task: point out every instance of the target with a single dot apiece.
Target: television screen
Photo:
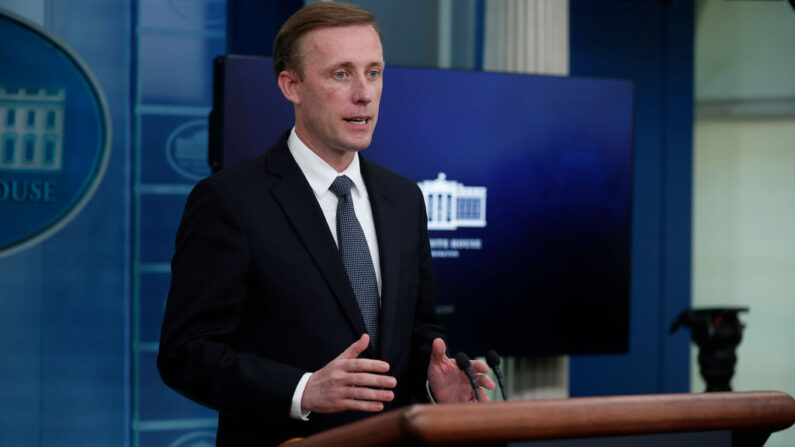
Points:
(527, 181)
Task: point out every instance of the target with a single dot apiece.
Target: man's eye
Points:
(373, 74)
(339, 75)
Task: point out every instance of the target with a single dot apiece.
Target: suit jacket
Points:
(259, 296)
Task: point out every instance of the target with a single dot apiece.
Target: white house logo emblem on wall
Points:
(54, 134)
(186, 150)
(451, 205)
(35, 115)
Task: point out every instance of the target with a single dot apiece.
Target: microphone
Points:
(494, 363)
(464, 364)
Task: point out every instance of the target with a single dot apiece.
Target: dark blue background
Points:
(652, 44)
(555, 154)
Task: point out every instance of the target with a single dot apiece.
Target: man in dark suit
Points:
(302, 293)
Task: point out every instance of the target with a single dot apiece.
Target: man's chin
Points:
(357, 145)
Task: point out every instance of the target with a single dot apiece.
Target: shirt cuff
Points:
(428, 390)
(295, 407)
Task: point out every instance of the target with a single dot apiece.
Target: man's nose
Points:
(362, 90)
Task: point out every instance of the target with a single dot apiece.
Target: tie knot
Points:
(341, 186)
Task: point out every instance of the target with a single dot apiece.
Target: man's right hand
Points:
(348, 383)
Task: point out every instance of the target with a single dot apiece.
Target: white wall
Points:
(744, 185)
(744, 50)
(744, 245)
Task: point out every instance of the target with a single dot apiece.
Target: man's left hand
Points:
(449, 384)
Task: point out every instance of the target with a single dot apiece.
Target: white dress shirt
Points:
(320, 176)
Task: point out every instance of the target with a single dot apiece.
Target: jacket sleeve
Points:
(198, 354)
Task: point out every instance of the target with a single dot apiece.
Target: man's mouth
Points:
(358, 120)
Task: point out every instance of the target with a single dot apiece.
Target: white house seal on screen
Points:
(451, 205)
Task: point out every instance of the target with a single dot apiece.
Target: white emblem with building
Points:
(186, 149)
(31, 129)
(451, 205)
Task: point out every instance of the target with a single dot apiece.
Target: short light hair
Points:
(286, 48)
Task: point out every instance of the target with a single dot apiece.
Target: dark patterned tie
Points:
(356, 256)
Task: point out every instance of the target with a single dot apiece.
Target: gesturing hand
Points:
(448, 383)
(346, 383)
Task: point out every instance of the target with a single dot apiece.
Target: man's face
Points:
(336, 102)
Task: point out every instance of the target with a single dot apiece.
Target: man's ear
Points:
(288, 83)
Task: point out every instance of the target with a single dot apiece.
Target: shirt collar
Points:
(320, 174)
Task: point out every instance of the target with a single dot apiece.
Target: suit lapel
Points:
(389, 252)
(299, 204)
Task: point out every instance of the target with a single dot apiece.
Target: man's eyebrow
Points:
(350, 65)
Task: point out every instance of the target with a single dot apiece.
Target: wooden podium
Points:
(748, 418)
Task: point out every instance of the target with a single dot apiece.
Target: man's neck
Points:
(339, 160)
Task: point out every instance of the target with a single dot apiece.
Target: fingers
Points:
(361, 393)
(361, 405)
(370, 380)
(480, 369)
(353, 364)
(438, 350)
(364, 365)
(485, 381)
(349, 383)
(479, 366)
(331, 393)
(353, 351)
(362, 398)
(483, 396)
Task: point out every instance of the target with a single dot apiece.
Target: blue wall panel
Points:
(176, 43)
(158, 220)
(64, 303)
(678, 190)
(153, 290)
(651, 44)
